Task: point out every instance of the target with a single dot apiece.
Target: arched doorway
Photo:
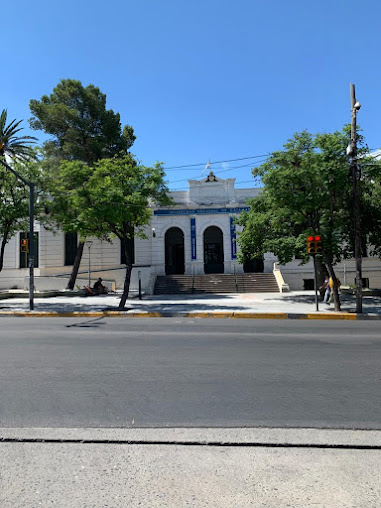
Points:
(213, 250)
(174, 251)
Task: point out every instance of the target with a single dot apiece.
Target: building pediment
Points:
(211, 190)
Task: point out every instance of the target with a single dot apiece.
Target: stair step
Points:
(217, 283)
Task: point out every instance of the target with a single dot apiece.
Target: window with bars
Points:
(71, 245)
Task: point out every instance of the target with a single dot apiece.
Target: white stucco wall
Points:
(150, 251)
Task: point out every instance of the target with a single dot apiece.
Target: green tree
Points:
(306, 190)
(79, 123)
(14, 201)
(82, 129)
(16, 152)
(110, 199)
(11, 145)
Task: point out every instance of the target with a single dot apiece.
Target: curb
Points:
(213, 315)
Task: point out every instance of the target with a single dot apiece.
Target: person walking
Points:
(338, 285)
(327, 287)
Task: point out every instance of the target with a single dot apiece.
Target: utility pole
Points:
(352, 151)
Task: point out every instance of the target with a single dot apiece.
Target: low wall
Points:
(283, 287)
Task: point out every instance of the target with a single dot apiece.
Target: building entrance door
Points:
(174, 252)
(213, 250)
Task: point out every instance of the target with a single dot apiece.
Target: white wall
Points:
(294, 273)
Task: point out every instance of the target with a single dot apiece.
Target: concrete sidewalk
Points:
(175, 468)
(282, 305)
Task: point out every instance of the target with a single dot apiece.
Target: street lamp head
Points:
(357, 105)
(89, 243)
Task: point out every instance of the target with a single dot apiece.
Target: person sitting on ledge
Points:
(99, 288)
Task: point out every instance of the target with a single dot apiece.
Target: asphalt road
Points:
(125, 372)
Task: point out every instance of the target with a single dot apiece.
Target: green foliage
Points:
(82, 129)
(106, 200)
(15, 152)
(370, 205)
(307, 190)
(14, 201)
(12, 145)
(109, 198)
(81, 126)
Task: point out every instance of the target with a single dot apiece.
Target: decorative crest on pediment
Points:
(211, 177)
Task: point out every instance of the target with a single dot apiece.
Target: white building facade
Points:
(195, 236)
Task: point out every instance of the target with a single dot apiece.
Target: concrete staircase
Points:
(216, 283)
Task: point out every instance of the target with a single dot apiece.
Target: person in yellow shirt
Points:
(330, 285)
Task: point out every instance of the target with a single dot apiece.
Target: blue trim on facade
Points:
(193, 238)
(233, 238)
(202, 211)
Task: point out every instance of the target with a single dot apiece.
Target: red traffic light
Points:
(310, 238)
(317, 238)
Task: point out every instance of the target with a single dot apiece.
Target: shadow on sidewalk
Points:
(371, 304)
(154, 307)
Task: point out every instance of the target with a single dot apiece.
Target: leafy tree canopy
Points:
(11, 144)
(79, 123)
(82, 129)
(109, 199)
(16, 152)
(307, 190)
(14, 201)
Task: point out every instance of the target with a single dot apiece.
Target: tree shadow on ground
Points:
(61, 307)
(190, 297)
(371, 304)
(185, 307)
(91, 323)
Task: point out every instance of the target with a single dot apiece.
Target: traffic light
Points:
(314, 245)
(24, 245)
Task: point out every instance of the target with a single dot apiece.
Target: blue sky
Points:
(202, 80)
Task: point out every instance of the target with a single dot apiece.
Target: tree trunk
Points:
(77, 262)
(126, 287)
(2, 249)
(127, 279)
(321, 271)
(331, 273)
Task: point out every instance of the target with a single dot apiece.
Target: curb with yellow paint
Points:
(195, 314)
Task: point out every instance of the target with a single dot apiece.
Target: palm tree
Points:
(16, 147)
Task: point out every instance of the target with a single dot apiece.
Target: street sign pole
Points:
(316, 288)
(31, 246)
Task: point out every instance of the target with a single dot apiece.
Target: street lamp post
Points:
(89, 243)
(31, 231)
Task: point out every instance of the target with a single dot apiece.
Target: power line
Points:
(184, 166)
(217, 172)
(215, 162)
